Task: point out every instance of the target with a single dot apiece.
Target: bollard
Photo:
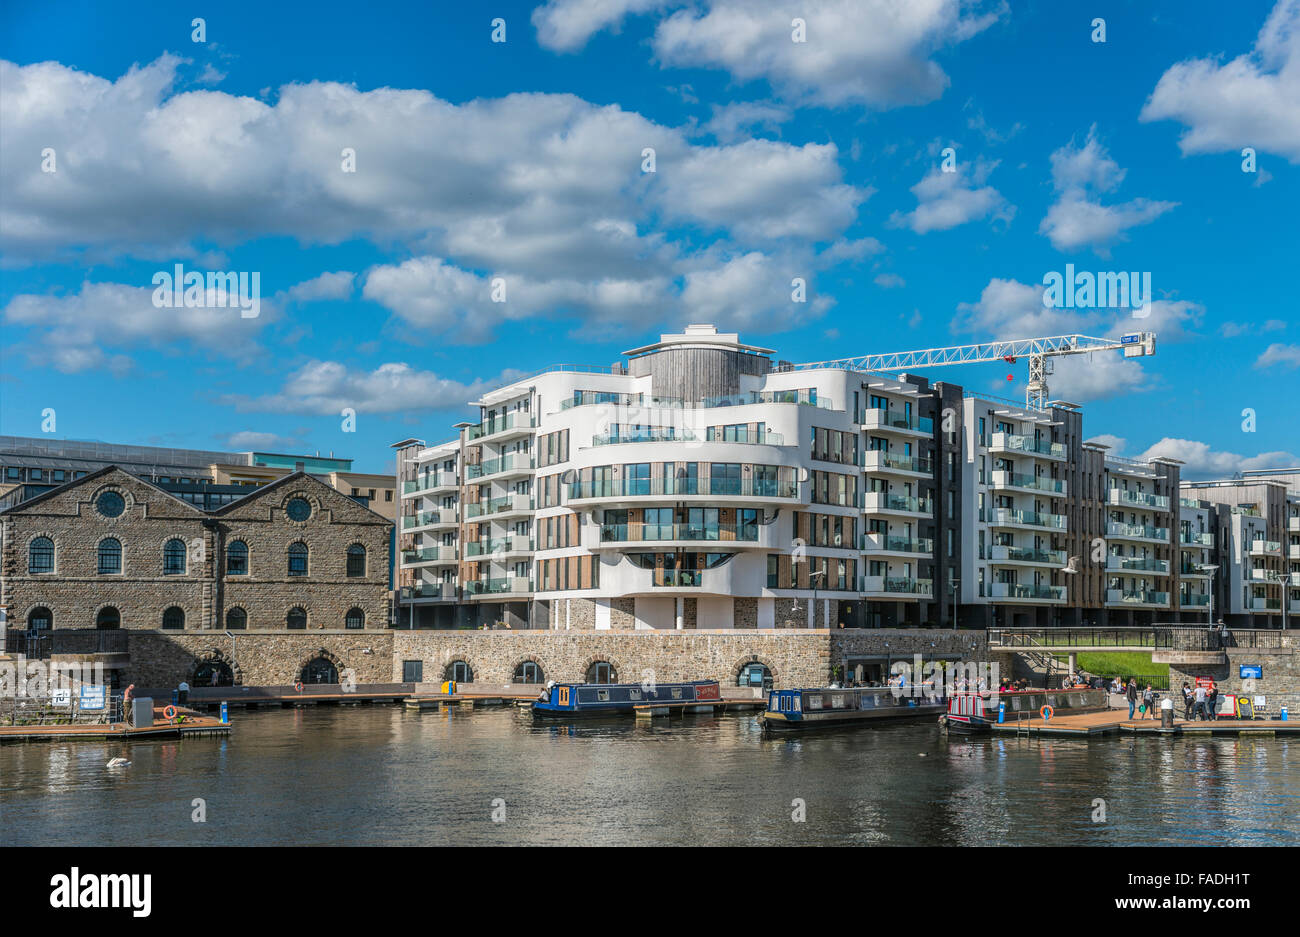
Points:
(1002, 711)
(1166, 713)
(225, 714)
(1283, 714)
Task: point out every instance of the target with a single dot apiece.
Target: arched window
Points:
(297, 559)
(237, 558)
(174, 618)
(355, 618)
(356, 560)
(110, 556)
(754, 674)
(459, 671)
(296, 620)
(40, 556)
(601, 671)
(40, 619)
(108, 619)
(236, 619)
(174, 558)
(528, 672)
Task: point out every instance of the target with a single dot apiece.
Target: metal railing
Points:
(40, 645)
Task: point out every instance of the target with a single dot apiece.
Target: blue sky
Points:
(522, 160)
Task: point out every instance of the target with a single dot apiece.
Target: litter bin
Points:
(1166, 714)
(141, 713)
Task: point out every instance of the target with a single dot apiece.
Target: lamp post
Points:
(812, 578)
(1281, 579)
(953, 584)
(1210, 568)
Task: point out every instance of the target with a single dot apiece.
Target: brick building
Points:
(112, 551)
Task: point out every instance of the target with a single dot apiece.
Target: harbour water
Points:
(382, 776)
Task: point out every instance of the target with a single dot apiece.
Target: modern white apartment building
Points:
(698, 484)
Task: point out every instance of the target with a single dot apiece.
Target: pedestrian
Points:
(1199, 705)
(1132, 694)
(1188, 699)
(1212, 702)
(1149, 702)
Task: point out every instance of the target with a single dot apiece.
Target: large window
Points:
(638, 478)
(40, 556)
(237, 558)
(174, 558)
(724, 478)
(601, 671)
(236, 619)
(110, 504)
(356, 560)
(354, 619)
(296, 620)
(40, 619)
(297, 559)
(173, 618)
(110, 556)
(528, 672)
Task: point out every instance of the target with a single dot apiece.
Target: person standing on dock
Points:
(1188, 700)
(1200, 702)
(1132, 694)
(1148, 703)
(1212, 703)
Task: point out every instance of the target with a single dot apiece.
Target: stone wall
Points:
(1280, 684)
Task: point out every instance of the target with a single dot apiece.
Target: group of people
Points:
(1142, 700)
(1201, 703)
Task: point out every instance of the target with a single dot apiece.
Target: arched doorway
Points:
(528, 672)
(320, 670)
(601, 671)
(755, 674)
(459, 671)
(108, 618)
(213, 673)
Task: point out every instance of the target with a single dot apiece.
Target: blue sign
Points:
(1252, 671)
(92, 697)
(1130, 338)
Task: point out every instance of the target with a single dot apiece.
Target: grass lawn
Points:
(1120, 663)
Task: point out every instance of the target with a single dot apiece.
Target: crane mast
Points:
(1040, 351)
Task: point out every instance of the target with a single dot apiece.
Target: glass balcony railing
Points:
(629, 533)
(512, 544)
(650, 435)
(521, 420)
(429, 553)
(499, 506)
(1136, 597)
(1197, 540)
(897, 419)
(671, 578)
(882, 501)
(1138, 499)
(1137, 564)
(1265, 546)
(647, 487)
(1193, 601)
(1014, 443)
(1004, 517)
(420, 519)
(875, 460)
(1035, 482)
(999, 553)
(1136, 531)
(880, 543)
(897, 585)
(501, 586)
(506, 463)
(1026, 590)
(806, 397)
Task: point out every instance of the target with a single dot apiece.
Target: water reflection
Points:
(385, 776)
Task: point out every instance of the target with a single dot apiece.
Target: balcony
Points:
(1009, 442)
(503, 427)
(1265, 548)
(1026, 592)
(430, 481)
(438, 554)
(506, 585)
(1137, 565)
(1118, 531)
(716, 489)
(1192, 571)
(1008, 517)
(1257, 604)
(1137, 597)
(755, 535)
(1194, 601)
(1196, 540)
(1293, 524)
(888, 463)
(510, 504)
(895, 421)
(1027, 556)
(514, 464)
(1293, 551)
(1035, 483)
(428, 590)
(514, 544)
(443, 517)
(896, 587)
(1137, 499)
(883, 543)
(880, 502)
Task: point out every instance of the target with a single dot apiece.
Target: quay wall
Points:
(1280, 684)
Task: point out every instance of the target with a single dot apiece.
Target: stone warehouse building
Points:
(294, 559)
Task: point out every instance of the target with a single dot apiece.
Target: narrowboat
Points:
(832, 707)
(576, 700)
(977, 711)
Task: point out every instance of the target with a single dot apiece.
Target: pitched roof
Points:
(99, 473)
(294, 478)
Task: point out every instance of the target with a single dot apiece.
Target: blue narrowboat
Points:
(577, 700)
(831, 707)
(973, 712)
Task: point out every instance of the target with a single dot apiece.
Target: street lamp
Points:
(812, 578)
(1210, 568)
(1281, 579)
(953, 584)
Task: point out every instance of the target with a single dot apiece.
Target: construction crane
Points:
(1039, 351)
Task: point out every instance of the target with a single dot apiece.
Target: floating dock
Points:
(1116, 721)
(192, 725)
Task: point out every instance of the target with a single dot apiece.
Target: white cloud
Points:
(337, 285)
(948, 199)
(1279, 354)
(1085, 378)
(876, 53)
(733, 122)
(752, 290)
(1115, 444)
(1253, 100)
(889, 281)
(1201, 461)
(1078, 218)
(324, 388)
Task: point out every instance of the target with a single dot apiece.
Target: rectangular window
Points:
(412, 671)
